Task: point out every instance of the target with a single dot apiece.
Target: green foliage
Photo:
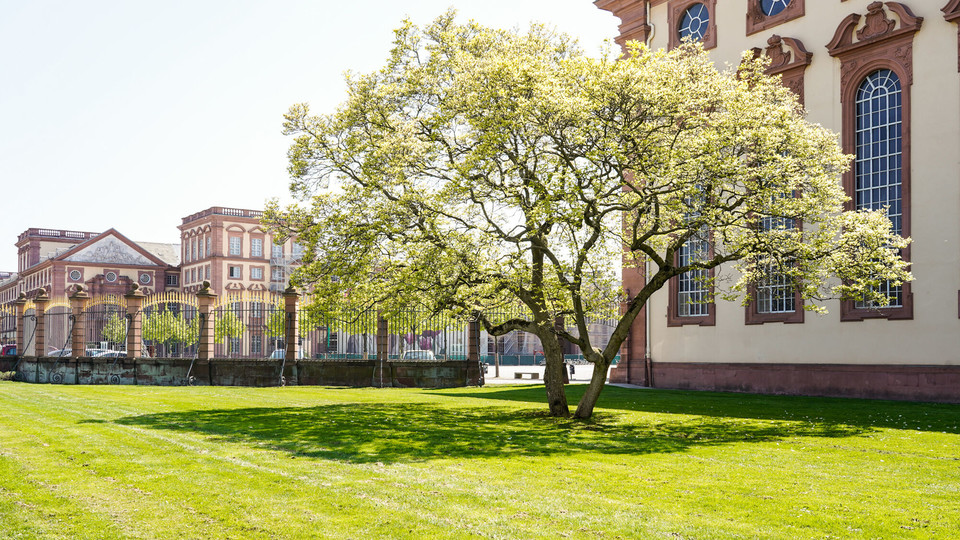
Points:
(483, 168)
(166, 327)
(277, 322)
(228, 325)
(116, 329)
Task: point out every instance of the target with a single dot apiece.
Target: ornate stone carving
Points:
(878, 27)
(788, 58)
(877, 22)
(879, 39)
(778, 57)
(110, 250)
(951, 12)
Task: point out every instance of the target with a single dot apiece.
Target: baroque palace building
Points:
(226, 246)
(103, 263)
(884, 76)
(230, 248)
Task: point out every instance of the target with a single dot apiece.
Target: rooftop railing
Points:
(222, 211)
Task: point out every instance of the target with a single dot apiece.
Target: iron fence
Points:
(442, 335)
(8, 325)
(105, 326)
(170, 330)
(29, 332)
(57, 328)
(250, 325)
(349, 334)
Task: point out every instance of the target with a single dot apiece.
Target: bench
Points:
(532, 374)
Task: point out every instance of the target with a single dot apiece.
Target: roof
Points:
(168, 253)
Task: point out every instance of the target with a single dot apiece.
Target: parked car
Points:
(60, 353)
(278, 354)
(418, 354)
(113, 354)
(8, 350)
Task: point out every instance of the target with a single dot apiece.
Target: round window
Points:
(144, 278)
(693, 26)
(773, 7)
(75, 275)
(111, 276)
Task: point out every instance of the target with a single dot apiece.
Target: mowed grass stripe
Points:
(363, 463)
(219, 487)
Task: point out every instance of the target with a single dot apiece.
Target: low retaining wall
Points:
(232, 372)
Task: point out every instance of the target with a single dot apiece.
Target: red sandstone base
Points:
(912, 383)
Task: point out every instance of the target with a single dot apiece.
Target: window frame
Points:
(230, 245)
(673, 303)
(675, 13)
(879, 45)
(758, 21)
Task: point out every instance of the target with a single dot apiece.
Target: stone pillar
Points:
(134, 318)
(205, 301)
(39, 343)
(78, 303)
(381, 374)
(20, 305)
(634, 366)
(473, 352)
(290, 299)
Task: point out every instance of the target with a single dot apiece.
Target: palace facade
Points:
(884, 76)
(226, 246)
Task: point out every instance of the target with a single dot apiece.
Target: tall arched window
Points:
(879, 162)
(876, 74)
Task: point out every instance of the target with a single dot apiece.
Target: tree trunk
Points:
(553, 375)
(597, 382)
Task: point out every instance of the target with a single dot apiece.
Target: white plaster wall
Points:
(933, 336)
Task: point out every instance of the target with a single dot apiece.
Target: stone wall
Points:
(232, 372)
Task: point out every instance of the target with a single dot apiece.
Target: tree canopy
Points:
(482, 168)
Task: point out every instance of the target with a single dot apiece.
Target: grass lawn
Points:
(310, 462)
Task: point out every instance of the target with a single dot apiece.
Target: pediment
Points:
(109, 250)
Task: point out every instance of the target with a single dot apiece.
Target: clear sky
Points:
(132, 115)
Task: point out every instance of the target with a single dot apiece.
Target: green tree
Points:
(165, 327)
(277, 322)
(116, 329)
(228, 325)
(483, 168)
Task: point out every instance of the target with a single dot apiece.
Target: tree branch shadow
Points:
(362, 433)
(864, 414)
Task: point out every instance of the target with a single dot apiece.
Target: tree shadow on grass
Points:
(865, 414)
(388, 433)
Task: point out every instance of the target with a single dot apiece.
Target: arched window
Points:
(876, 74)
(879, 144)
(879, 157)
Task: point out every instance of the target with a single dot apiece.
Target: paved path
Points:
(581, 374)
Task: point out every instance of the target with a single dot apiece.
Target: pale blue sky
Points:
(133, 114)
